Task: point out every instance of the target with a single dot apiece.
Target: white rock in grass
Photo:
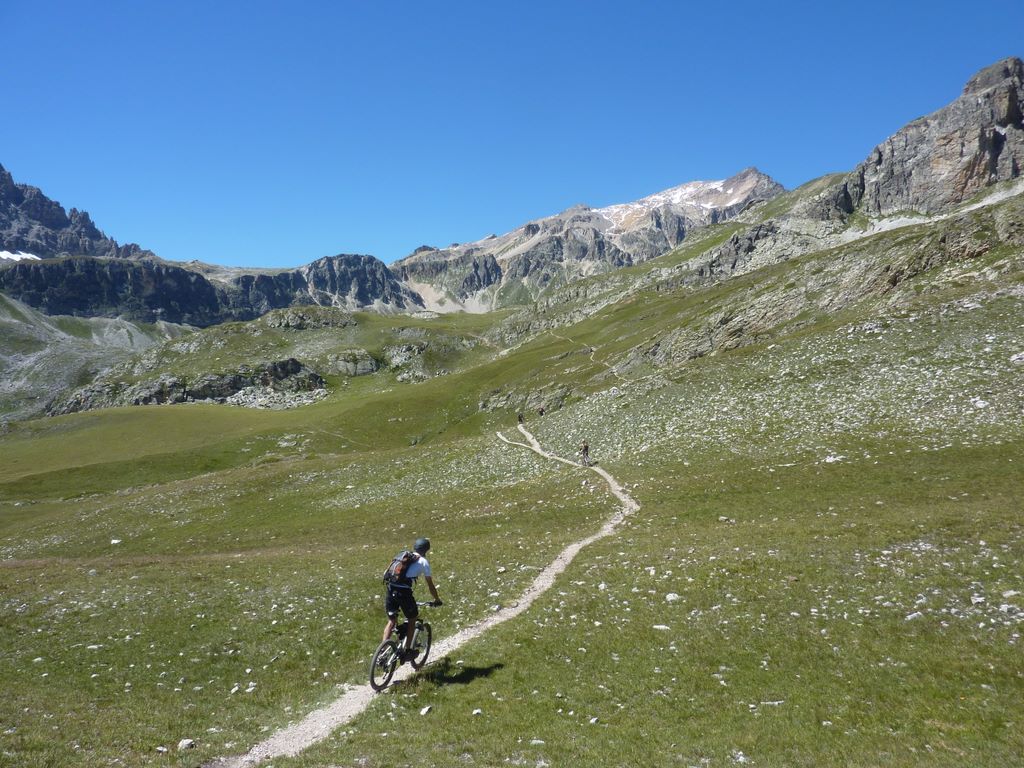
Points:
(115, 541)
(161, 750)
(425, 710)
(914, 615)
(1018, 358)
(671, 597)
(662, 627)
(537, 742)
(186, 744)
(478, 711)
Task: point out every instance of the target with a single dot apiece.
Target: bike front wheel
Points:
(422, 646)
(385, 662)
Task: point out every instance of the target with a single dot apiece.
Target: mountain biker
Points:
(400, 596)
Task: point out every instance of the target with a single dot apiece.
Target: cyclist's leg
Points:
(391, 609)
(411, 611)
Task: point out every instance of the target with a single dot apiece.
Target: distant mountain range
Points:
(922, 212)
(60, 263)
(929, 166)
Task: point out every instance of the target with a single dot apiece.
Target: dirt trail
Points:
(593, 351)
(318, 725)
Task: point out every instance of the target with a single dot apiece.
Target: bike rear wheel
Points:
(422, 646)
(385, 662)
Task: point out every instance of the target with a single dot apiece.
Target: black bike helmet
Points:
(422, 546)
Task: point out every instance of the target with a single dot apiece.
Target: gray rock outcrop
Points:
(353, 362)
(304, 319)
(280, 376)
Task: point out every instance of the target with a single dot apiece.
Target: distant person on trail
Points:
(399, 595)
(585, 453)
(520, 417)
(540, 411)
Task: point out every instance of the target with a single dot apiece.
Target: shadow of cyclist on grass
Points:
(445, 672)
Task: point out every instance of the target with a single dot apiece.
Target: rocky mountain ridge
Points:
(33, 224)
(149, 290)
(519, 266)
(966, 156)
(78, 271)
(928, 167)
(955, 216)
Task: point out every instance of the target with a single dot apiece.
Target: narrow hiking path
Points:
(593, 350)
(319, 724)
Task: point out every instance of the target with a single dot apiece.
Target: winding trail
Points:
(319, 724)
(593, 351)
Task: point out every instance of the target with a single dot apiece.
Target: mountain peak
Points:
(32, 223)
(1009, 69)
(700, 198)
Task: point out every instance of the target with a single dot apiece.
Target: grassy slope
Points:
(808, 493)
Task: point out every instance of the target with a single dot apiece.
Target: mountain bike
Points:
(388, 658)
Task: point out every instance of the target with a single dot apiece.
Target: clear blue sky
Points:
(272, 133)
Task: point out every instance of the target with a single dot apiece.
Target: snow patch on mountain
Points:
(18, 256)
(699, 196)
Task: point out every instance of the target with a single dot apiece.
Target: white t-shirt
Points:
(418, 567)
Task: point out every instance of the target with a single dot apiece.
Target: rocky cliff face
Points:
(354, 282)
(150, 290)
(520, 265)
(145, 291)
(30, 222)
(938, 162)
(346, 281)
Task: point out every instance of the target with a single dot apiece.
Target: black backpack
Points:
(395, 574)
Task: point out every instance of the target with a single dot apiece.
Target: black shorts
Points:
(400, 598)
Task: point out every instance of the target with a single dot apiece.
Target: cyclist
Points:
(399, 596)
